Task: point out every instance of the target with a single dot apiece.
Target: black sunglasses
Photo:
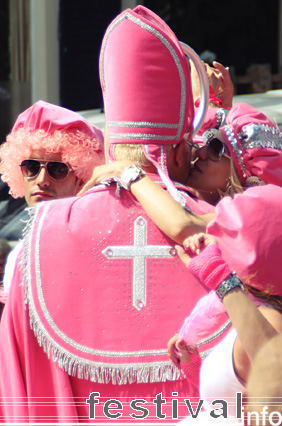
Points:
(215, 150)
(55, 169)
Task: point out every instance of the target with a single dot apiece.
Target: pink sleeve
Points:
(248, 231)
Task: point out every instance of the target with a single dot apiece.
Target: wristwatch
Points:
(231, 282)
(131, 174)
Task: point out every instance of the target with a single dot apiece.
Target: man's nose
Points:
(43, 178)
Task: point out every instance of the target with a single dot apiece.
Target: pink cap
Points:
(255, 144)
(146, 84)
(49, 118)
(54, 129)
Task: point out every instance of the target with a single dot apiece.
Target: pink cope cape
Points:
(105, 292)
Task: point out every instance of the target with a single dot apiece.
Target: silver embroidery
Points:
(253, 136)
(221, 116)
(139, 252)
(141, 136)
(177, 63)
(260, 136)
(141, 124)
(237, 150)
(82, 368)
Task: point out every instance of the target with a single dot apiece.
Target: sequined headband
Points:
(252, 136)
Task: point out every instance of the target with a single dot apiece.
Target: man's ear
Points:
(180, 152)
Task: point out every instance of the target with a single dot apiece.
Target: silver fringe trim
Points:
(73, 365)
(104, 373)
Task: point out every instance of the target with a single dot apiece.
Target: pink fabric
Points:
(192, 370)
(35, 389)
(49, 118)
(255, 144)
(247, 229)
(210, 267)
(213, 99)
(205, 315)
(146, 83)
(50, 128)
(76, 302)
(214, 119)
(3, 295)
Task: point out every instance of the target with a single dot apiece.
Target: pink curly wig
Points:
(54, 129)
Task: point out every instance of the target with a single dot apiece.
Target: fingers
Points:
(178, 351)
(171, 351)
(183, 352)
(85, 188)
(96, 177)
(195, 243)
(183, 255)
(221, 69)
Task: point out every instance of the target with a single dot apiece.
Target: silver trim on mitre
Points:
(177, 61)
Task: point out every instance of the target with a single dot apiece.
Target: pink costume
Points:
(255, 145)
(51, 128)
(103, 287)
(247, 229)
(54, 129)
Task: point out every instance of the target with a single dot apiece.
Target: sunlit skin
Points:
(209, 177)
(178, 164)
(43, 188)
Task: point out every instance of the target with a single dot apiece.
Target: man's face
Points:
(42, 187)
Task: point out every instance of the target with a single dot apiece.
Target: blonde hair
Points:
(234, 184)
(132, 152)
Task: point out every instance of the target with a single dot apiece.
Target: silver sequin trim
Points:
(253, 136)
(100, 372)
(238, 152)
(221, 116)
(139, 252)
(63, 336)
(77, 366)
(142, 124)
(177, 63)
(215, 335)
(141, 136)
(260, 136)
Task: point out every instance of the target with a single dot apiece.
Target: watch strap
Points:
(228, 284)
(131, 174)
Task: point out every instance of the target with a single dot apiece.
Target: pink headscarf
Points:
(145, 78)
(54, 129)
(255, 144)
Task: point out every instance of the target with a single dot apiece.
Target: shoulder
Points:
(273, 316)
